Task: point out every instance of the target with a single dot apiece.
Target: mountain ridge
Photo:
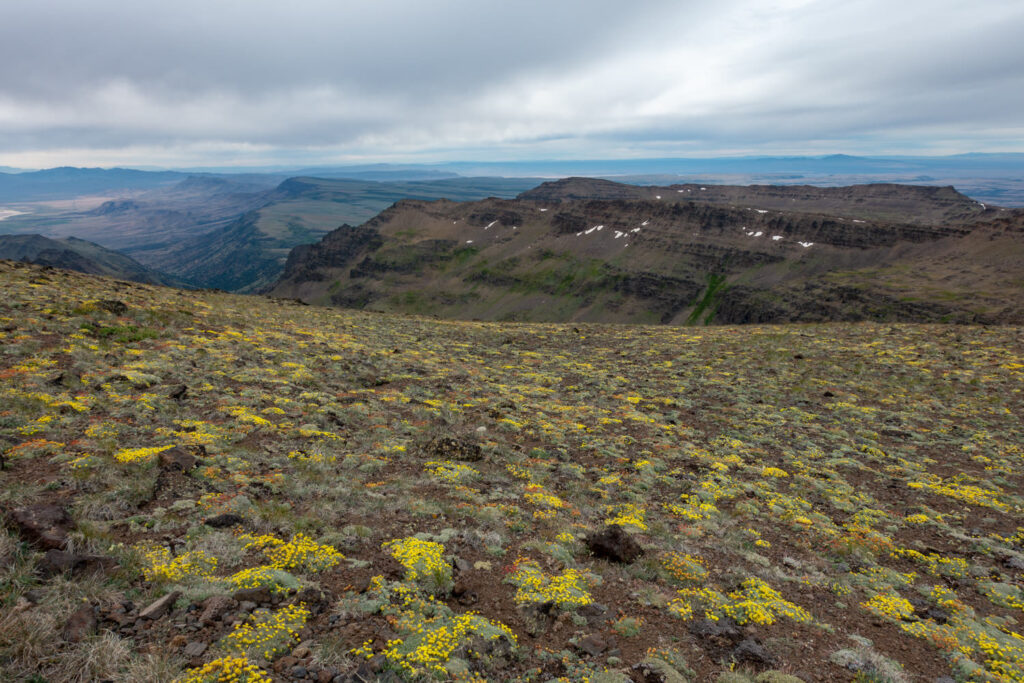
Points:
(655, 255)
(82, 256)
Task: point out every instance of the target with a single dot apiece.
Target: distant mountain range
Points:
(71, 253)
(235, 232)
(233, 228)
(593, 250)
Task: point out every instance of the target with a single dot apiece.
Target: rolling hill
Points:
(71, 253)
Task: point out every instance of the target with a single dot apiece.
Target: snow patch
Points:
(469, 241)
(857, 221)
(490, 224)
(776, 238)
(657, 196)
(761, 210)
(619, 234)
(806, 244)
(542, 210)
(644, 223)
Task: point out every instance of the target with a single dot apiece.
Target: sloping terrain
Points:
(85, 257)
(593, 250)
(249, 253)
(219, 487)
(235, 232)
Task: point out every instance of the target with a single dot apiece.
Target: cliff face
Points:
(656, 255)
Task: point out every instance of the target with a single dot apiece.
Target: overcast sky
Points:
(220, 82)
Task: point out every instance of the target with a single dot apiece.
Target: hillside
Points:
(594, 250)
(235, 232)
(249, 253)
(85, 257)
(199, 485)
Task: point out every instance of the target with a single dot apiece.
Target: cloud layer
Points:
(248, 81)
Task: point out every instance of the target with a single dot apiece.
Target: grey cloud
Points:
(406, 77)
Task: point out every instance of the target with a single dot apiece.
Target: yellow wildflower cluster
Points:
(245, 415)
(889, 604)
(693, 509)
(276, 580)
(300, 553)
(160, 566)
(544, 499)
(138, 454)
(432, 646)
(755, 602)
(627, 514)
(452, 472)
(227, 670)
(566, 590)
(316, 457)
(423, 560)
(937, 565)
(1005, 594)
(684, 568)
(916, 519)
(961, 490)
(774, 472)
(268, 634)
(431, 633)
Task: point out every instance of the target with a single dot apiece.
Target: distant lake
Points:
(7, 213)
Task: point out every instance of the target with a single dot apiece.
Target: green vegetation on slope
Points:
(428, 499)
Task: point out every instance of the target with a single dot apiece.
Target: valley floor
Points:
(202, 486)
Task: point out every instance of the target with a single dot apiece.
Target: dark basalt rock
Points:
(60, 562)
(44, 525)
(223, 521)
(450, 448)
(114, 306)
(81, 624)
(614, 544)
(177, 458)
(751, 651)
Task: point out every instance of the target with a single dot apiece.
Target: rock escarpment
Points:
(592, 250)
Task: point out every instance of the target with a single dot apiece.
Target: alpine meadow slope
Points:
(197, 486)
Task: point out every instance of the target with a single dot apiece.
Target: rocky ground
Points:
(198, 486)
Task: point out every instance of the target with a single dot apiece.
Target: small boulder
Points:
(214, 608)
(751, 651)
(260, 595)
(223, 521)
(81, 624)
(592, 645)
(614, 544)
(61, 562)
(177, 458)
(44, 525)
(160, 607)
(194, 649)
(450, 448)
(114, 306)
